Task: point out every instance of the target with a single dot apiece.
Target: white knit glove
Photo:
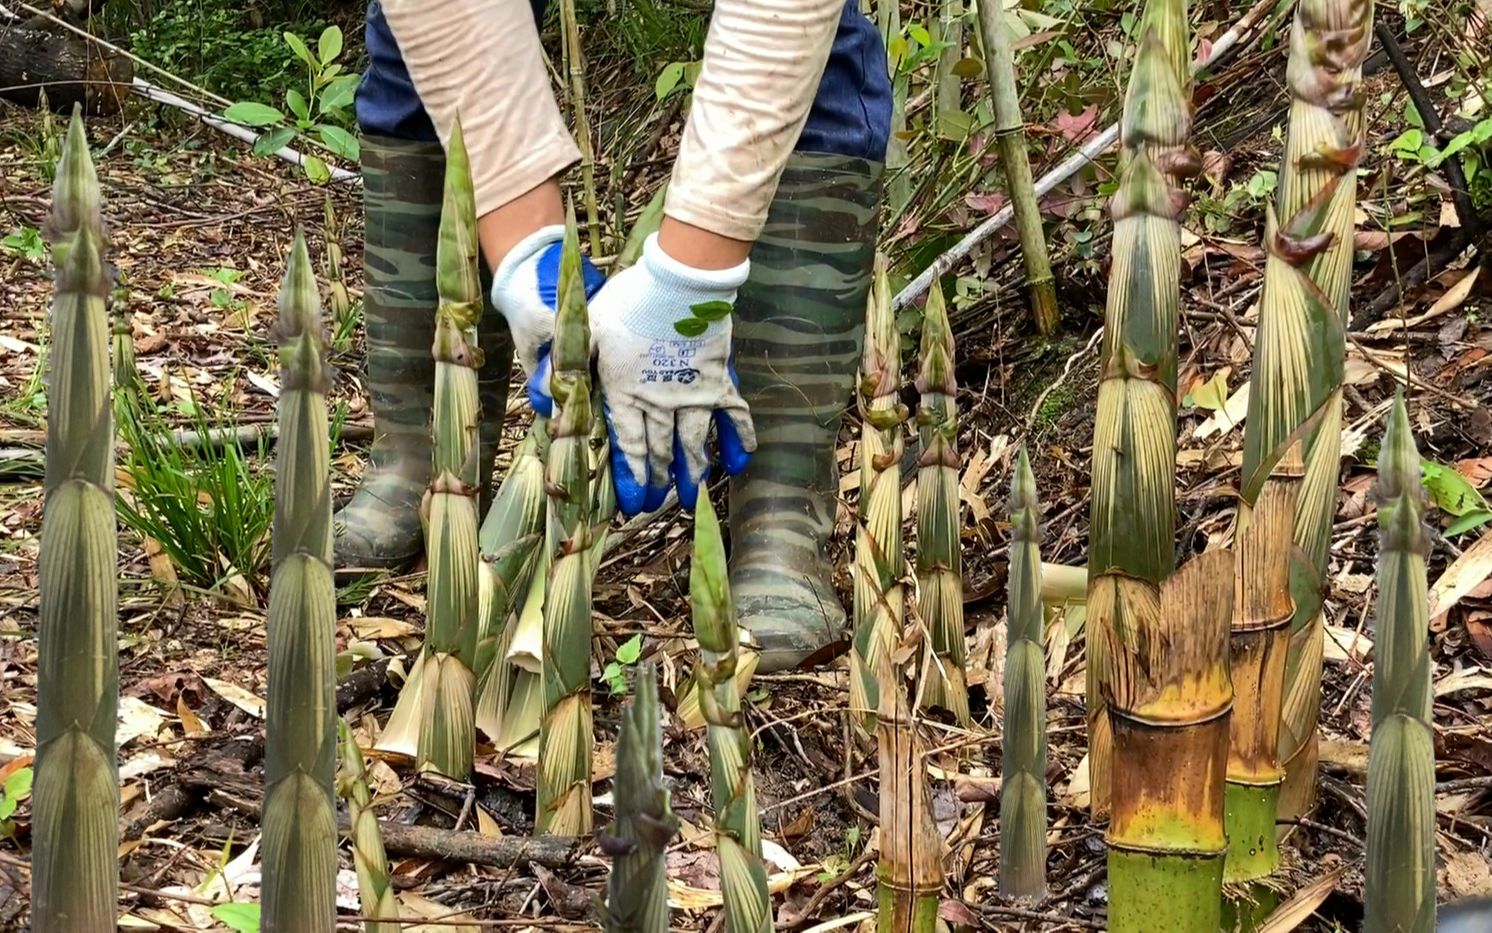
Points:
(523, 291)
(662, 388)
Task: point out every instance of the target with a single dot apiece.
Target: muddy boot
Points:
(800, 322)
(379, 527)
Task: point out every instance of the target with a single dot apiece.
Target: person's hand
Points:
(523, 291)
(662, 387)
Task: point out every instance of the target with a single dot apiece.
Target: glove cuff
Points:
(679, 286)
(525, 250)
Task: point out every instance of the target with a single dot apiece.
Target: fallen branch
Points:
(1071, 166)
(27, 460)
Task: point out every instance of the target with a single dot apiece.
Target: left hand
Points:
(662, 388)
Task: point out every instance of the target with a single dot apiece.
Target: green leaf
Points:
(330, 44)
(1211, 395)
(712, 310)
(668, 79)
(339, 141)
(253, 113)
(1468, 521)
(296, 101)
(317, 171)
(298, 46)
(273, 141)
(919, 34)
(1451, 492)
(338, 94)
(243, 918)
(18, 785)
(691, 327)
(630, 650)
(7, 807)
(968, 68)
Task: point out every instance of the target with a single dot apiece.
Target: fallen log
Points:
(70, 69)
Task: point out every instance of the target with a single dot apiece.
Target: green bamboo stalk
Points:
(566, 730)
(898, 181)
(447, 730)
(1308, 242)
(947, 96)
(878, 595)
(1160, 695)
(1023, 761)
(738, 843)
(638, 839)
(1132, 530)
(375, 888)
(940, 579)
(575, 60)
(75, 802)
(1399, 879)
(300, 748)
(1010, 135)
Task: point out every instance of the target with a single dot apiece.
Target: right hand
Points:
(524, 290)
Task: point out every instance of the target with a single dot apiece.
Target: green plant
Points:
(627, 654)
(26, 243)
(701, 316)
(205, 504)
(676, 76)
(321, 113)
(17, 787)
(237, 916)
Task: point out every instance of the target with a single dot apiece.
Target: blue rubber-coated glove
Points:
(663, 388)
(523, 291)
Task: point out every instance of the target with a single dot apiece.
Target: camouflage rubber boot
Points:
(800, 322)
(379, 527)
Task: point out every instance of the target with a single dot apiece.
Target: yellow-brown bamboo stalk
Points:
(1308, 243)
(879, 599)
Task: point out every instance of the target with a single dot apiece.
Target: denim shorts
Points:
(851, 115)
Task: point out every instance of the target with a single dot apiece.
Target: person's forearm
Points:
(763, 61)
(481, 60)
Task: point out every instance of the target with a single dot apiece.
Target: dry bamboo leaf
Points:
(1343, 643)
(191, 724)
(1472, 679)
(1348, 755)
(1465, 574)
(238, 696)
(1467, 875)
(1299, 908)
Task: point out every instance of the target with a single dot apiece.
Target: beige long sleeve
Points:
(482, 59)
(763, 60)
(762, 65)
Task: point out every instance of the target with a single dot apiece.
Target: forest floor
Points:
(200, 228)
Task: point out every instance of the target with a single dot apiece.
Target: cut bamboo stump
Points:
(35, 58)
